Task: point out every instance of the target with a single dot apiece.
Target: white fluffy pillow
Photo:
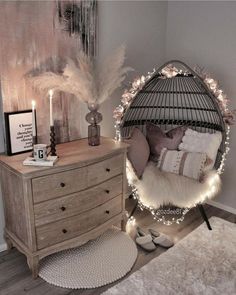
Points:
(182, 163)
(198, 142)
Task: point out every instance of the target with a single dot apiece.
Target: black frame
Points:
(7, 132)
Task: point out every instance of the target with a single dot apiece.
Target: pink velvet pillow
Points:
(138, 152)
(158, 139)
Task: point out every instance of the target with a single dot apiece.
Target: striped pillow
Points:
(182, 163)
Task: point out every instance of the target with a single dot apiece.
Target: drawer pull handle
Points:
(107, 191)
(108, 169)
(63, 208)
(64, 231)
(107, 212)
(62, 184)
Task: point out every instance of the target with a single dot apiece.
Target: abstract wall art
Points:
(37, 36)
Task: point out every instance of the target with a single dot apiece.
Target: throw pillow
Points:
(183, 163)
(198, 142)
(158, 139)
(138, 152)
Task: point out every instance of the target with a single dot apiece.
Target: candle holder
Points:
(52, 141)
(34, 141)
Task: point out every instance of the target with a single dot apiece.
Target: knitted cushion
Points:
(182, 163)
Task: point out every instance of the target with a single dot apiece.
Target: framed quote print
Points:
(18, 126)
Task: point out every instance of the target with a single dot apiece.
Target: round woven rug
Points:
(95, 264)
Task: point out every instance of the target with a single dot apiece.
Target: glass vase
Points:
(94, 118)
(94, 134)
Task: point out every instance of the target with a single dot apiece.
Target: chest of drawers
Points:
(51, 209)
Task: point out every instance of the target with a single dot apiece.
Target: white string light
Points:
(227, 149)
(170, 72)
(155, 213)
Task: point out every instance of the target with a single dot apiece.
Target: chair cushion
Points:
(182, 163)
(158, 139)
(138, 152)
(198, 142)
(157, 187)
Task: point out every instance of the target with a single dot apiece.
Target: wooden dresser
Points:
(64, 206)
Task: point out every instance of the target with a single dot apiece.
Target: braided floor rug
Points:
(94, 264)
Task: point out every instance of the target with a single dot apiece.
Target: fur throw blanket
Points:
(158, 188)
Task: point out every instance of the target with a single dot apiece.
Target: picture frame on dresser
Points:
(18, 132)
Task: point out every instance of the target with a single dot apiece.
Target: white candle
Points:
(50, 98)
(33, 119)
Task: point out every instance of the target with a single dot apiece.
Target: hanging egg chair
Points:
(175, 95)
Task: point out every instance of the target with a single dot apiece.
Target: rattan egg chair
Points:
(180, 100)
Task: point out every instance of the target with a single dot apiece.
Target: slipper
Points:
(140, 231)
(163, 241)
(145, 241)
(154, 233)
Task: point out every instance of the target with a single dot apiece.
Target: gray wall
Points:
(140, 25)
(203, 33)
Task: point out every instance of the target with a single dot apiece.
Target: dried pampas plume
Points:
(85, 80)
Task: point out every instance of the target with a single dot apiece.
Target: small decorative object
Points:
(50, 160)
(118, 114)
(50, 107)
(34, 137)
(94, 118)
(34, 128)
(52, 130)
(19, 133)
(40, 152)
(52, 141)
(91, 82)
(40, 157)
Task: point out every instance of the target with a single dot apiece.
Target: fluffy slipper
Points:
(154, 233)
(146, 243)
(140, 232)
(163, 241)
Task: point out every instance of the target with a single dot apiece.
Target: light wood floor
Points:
(15, 277)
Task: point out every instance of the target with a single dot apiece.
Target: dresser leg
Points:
(33, 263)
(8, 242)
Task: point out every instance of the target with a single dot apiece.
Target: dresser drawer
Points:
(77, 203)
(106, 169)
(68, 228)
(59, 184)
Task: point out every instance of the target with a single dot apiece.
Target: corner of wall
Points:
(3, 247)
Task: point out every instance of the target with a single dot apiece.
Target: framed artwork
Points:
(79, 18)
(18, 127)
(48, 29)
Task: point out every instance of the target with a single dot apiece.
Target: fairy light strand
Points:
(169, 72)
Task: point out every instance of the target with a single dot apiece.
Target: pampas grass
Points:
(88, 82)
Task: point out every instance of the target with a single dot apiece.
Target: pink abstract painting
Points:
(38, 36)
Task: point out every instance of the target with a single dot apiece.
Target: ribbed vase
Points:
(93, 118)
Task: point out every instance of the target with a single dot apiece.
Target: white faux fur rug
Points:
(203, 263)
(157, 187)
